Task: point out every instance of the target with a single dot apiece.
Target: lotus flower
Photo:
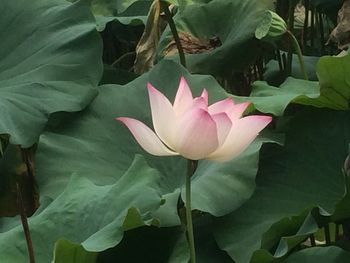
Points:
(191, 128)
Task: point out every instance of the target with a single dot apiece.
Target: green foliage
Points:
(304, 174)
(232, 22)
(319, 255)
(68, 252)
(86, 213)
(334, 79)
(107, 153)
(126, 11)
(332, 91)
(92, 194)
(50, 62)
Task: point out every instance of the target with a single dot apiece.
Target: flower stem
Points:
(173, 29)
(300, 55)
(312, 240)
(290, 27)
(25, 224)
(327, 235)
(191, 167)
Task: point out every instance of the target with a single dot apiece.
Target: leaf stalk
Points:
(173, 29)
(299, 53)
(25, 224)
(191, 168)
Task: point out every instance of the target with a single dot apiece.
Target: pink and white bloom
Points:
(191, 128)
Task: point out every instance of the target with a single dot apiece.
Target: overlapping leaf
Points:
(319, 255)
(68, 252)
(128, 12)
(332, 91)
(231, 23)
(94, 146)
(96, 182)
(306, 173)
(125, 11)
(333, 74)
(114, 147)
(49, 62)
(94, 216)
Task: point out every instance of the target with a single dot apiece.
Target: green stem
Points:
(322, 40)
(175, 34)
(291, 8)
(25, 225)
(300, 55)
(118, 60)
(1, 147)
(312, 240)
(337, 232)
(312, 29)
(191, 167)
(306, 23)
(327, 234)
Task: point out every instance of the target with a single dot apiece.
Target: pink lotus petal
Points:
(147, 139)
(237, 110)
(163, 116)
(204, 95)
(183, 98)
(223, 126)
(221, 106)
(197, 135)
(242, 133)
(199, 103)
(234, 111)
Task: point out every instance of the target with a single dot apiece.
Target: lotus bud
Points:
(271, 27)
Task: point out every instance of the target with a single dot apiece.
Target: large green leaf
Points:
(332, 91)
(68, 252)
(233, 22)
(94, 146)
(126, 12)
(266, 98)
(109, 8)
(319, 255)
(148, 244)
(207, 250)
(93, 215)
(333, 74)
(114, 147)
(166, 244)
(50, 61)
(306, 173)
(235, 179)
